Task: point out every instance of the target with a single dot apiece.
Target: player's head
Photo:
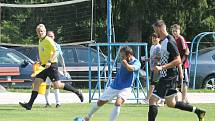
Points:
(51, 34)
(155, 38)
(41, 31)
(126, 52)
(176, 30)
(159, 27)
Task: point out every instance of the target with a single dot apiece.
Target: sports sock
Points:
(71, 88)
(153, 110)
(115, 113)
(56, 93)
(184, 106)
(33, 97)
(47, 95)
(94, 108)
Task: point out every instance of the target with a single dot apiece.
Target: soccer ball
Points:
(79, 119)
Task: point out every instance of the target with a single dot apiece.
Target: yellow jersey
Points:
(46, 50)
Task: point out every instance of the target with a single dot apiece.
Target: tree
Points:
(132, 19)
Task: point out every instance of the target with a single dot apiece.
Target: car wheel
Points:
(209, 83)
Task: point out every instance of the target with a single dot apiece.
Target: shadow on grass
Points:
(8, 109)
(135, 105)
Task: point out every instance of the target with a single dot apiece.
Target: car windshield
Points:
(10, 57)
(202, 51)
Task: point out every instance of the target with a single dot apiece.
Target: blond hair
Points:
(40, 26)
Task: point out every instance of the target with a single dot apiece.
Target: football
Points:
(79, 119)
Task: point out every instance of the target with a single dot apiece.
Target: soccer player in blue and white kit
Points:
(121, 87)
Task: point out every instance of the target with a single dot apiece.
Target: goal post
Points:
(72, 21)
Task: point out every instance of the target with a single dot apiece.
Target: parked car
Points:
(205, 72)
(12, 58)
(76, 59)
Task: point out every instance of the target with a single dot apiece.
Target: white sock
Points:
(94, 108)
(194, 109)
(115, 113)
(47, 95)
(56, 93)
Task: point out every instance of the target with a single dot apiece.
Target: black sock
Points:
(71, 88)
(184, 106)
(33, 97)
(153, 110)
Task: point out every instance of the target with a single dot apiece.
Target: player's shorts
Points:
(48, 81)
(165, 87)
(154, 77)
(111, 93)
(51, 72)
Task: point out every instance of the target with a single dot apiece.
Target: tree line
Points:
(132, 20)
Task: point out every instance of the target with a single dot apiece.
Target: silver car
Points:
(205, 69)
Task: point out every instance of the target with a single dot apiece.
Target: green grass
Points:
(129, 112)
(201, 91)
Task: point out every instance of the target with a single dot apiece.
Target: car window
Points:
(10, 57)
(34, 54)
(68, 54)
(82, 54)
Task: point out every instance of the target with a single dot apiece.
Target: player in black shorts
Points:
(166, 87)
(48, 59)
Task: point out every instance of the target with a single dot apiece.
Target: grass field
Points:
(129, 112)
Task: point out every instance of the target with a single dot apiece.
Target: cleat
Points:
(86, 119)
(25, 105)
(201, 114)
(81, 97)
(47, 105)
(58, 105)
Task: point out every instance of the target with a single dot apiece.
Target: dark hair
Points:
(176, 26)
(154, 35)
(159, 23)
(127, 50)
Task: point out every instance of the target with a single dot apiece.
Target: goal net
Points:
(71, 21)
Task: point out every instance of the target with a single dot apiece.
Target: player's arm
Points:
(53, 53)
(185, 49)
(135, 66)
(63, 63)
(174, 63)
(181, 75)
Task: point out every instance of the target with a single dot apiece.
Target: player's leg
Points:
(108, 95)
(57, 93)
(171, 102)
(34, 94)
(116, 110)
(121, 98)
(68, 87)
(185, 86)
(54, 76)
(158, 93)
(153, 108)
(151, 87)
(94, 108)
(48, 87)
